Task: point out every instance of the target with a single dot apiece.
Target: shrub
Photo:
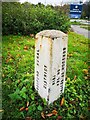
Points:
(29, 19)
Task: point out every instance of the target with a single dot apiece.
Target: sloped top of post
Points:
(51, 34)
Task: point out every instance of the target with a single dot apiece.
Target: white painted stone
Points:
(50, 64)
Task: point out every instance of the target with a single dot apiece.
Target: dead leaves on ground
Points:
(54, 112)
(24, 108)
(43, 115)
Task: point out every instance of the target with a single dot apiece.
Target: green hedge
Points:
(29, 19)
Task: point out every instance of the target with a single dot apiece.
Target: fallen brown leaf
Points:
(22, 108)
(25, 47)
(49, 115)
(62, 102)
(42, 114)
(54, 112)
(26, 109)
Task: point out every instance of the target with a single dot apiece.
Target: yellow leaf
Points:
(62, 101)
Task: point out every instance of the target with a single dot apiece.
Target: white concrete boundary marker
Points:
(50, 64)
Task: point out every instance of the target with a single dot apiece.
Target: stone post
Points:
(50, 64)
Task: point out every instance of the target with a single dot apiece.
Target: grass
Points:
(75, 23)
(19, 97)
(85, 27)
(81, 25)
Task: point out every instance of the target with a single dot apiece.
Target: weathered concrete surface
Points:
(82, 31)
(50, 64)
(51, 34)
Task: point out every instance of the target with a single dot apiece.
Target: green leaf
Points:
(22, 94)
(22, 114)
(32, 96)
(24, 89)
(39, 108)
(14, 96)
(44, 101)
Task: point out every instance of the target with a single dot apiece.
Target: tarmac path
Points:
(82, 31)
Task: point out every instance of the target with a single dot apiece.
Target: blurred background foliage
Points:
(28, 18)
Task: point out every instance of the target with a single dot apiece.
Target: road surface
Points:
(82, 31)
(85, 22)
